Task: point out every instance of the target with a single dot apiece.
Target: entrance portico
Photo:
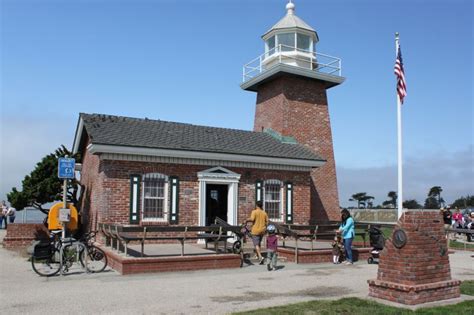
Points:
(210, 191)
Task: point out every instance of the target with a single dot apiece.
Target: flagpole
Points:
(399, 138)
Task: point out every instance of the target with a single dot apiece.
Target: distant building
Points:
(143, 171)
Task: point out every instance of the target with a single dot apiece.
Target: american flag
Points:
(400, 73)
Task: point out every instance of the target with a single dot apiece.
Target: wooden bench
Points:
(127, 234)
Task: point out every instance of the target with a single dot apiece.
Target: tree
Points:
(43, 185)
(435, 191)
(368, 201)
(411, 204)
(387, 204)
(393, 198)
(362, 199)
(431, 203)
(464, 202)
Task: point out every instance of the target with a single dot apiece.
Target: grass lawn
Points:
(467, 287)
(358, 306)
(387, 232)
(459, 245)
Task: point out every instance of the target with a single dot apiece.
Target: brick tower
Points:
(291, 80)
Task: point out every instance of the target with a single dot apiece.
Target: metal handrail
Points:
(317, 61)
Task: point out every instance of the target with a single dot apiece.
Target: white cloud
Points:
(454, 172)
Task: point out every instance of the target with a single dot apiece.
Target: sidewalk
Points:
(195, 292)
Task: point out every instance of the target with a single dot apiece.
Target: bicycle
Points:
(238, 247)
(53, 256)
(46, 257)
(96, 258)
(60, 254)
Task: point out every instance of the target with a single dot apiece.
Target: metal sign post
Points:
(66, 171)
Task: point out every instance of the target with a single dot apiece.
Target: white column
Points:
(232, 203)
(202, 202)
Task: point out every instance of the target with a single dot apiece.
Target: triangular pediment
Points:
(218, 172)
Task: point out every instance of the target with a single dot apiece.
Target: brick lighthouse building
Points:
(291, 80)
(141, 171)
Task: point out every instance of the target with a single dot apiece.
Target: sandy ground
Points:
(195, 292)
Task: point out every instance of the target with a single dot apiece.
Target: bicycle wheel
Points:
(96, 259)
(46, 266)
(69, 256)
(237, 247)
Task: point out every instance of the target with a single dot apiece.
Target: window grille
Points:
(272, 199)
(155, 193)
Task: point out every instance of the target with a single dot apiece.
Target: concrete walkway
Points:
(196, 292)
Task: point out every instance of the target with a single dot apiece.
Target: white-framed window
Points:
(272, 199)
(271, 45)
(155, 197)
(287, 41)
(303, 42)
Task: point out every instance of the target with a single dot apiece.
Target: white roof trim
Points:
(298, 30)
(77, 136)
(102, 148)
(251, 85)
(211, 174)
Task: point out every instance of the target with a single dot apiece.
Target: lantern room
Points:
(290, 41)
(290, 47)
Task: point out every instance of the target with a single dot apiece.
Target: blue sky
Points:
(182, 61)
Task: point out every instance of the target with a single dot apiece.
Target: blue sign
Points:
(66, 167)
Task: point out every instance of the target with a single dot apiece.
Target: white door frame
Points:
(222, 176)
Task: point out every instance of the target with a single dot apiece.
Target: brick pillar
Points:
(419, 272)
(298, 107)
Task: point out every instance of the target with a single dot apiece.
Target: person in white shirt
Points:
(11, 213)
(3, 217)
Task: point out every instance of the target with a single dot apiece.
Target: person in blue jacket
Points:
(348, 233)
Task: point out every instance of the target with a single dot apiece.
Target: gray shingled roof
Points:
(147, 133)
(290, 20)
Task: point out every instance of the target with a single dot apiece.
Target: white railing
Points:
(296, 57)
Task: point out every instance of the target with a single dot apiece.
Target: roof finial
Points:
(290, 7)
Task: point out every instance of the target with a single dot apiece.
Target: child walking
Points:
(336, 249)
(272, 246)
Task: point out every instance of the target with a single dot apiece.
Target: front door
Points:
(216, 202)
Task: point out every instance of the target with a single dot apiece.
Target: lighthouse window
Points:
(287, 41)
(271, 45)
(303, 42)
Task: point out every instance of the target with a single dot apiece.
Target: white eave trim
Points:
(251, 84)
(102, 148)
(77, 136)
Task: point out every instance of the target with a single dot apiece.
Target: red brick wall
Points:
(107, 189)
(129, 265)
(424, 259)
(20, 235)
(93, 205)
(298, 107)
(320, 255)
(418, 272)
